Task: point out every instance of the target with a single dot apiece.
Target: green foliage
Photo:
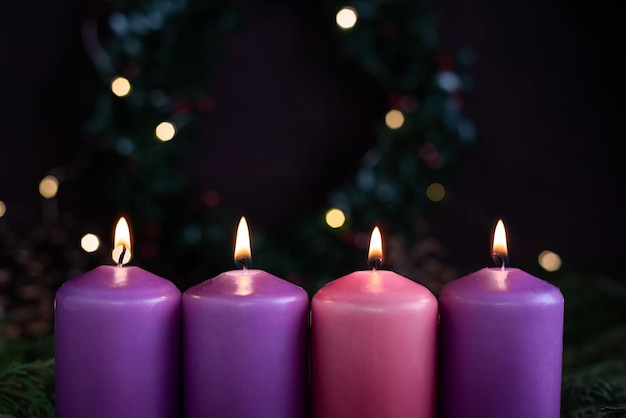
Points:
(594, 365)
(599, 397)
(25, 350)
(27, 378)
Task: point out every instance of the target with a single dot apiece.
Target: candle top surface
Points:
(252, 283)
(118, 284)
(374, 287)
(511, 285)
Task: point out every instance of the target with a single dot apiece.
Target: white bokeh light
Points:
(346, 17)
(121, 87)
(165, 131)
(90, 242)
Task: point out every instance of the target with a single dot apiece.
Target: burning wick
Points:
(243, 255)
(500, 253)
(500, 259)
(375, 263)
(120, 261)
(244, 261)
(375, 254)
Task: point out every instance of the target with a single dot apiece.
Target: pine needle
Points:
(597, 397)
(27, 390)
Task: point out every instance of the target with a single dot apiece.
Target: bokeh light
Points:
(435, 192)
(121, 87)
(165, 131)
(3, 208)
(48, 187)
(90, 243)
(394, 119)
(335, 218)
(449, 81)
(346, 17)
(550, 261)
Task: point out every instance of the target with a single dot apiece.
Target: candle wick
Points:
(500, 259)
(244, 263)
(375, 263)
(120, 261)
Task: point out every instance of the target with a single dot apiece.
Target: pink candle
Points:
(374, 337)
(245, 335)
(117, 338)
(501, 343)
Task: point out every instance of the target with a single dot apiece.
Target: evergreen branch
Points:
(25, 350)
(598, 396)
(27, 390)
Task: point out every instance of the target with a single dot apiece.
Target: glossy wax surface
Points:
(374, 340)
(245, 339)
(501, 346)
(117, 338)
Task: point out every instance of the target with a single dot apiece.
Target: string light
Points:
(3, 208)
(394, 119)
(335, 218)
(121, 87)
(549, 260)
(165, 131)
(435, 192)
(346, 17)
(48, 187)
(90, 243)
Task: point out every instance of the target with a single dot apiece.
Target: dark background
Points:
(547, 107)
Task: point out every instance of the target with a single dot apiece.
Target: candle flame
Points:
(242, 242)
(375, 254)
(500, 249)
(121, 242)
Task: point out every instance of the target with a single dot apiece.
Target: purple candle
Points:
(501, 333)
(245, 344)
(117, 339)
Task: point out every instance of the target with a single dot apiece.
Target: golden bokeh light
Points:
(394, 119)
(48, 187)
(3, 208)
(335, 218)
(346, 17)
(549, 261)
(121, 87)
(165, 131)
(435, 192)
(90, 243)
